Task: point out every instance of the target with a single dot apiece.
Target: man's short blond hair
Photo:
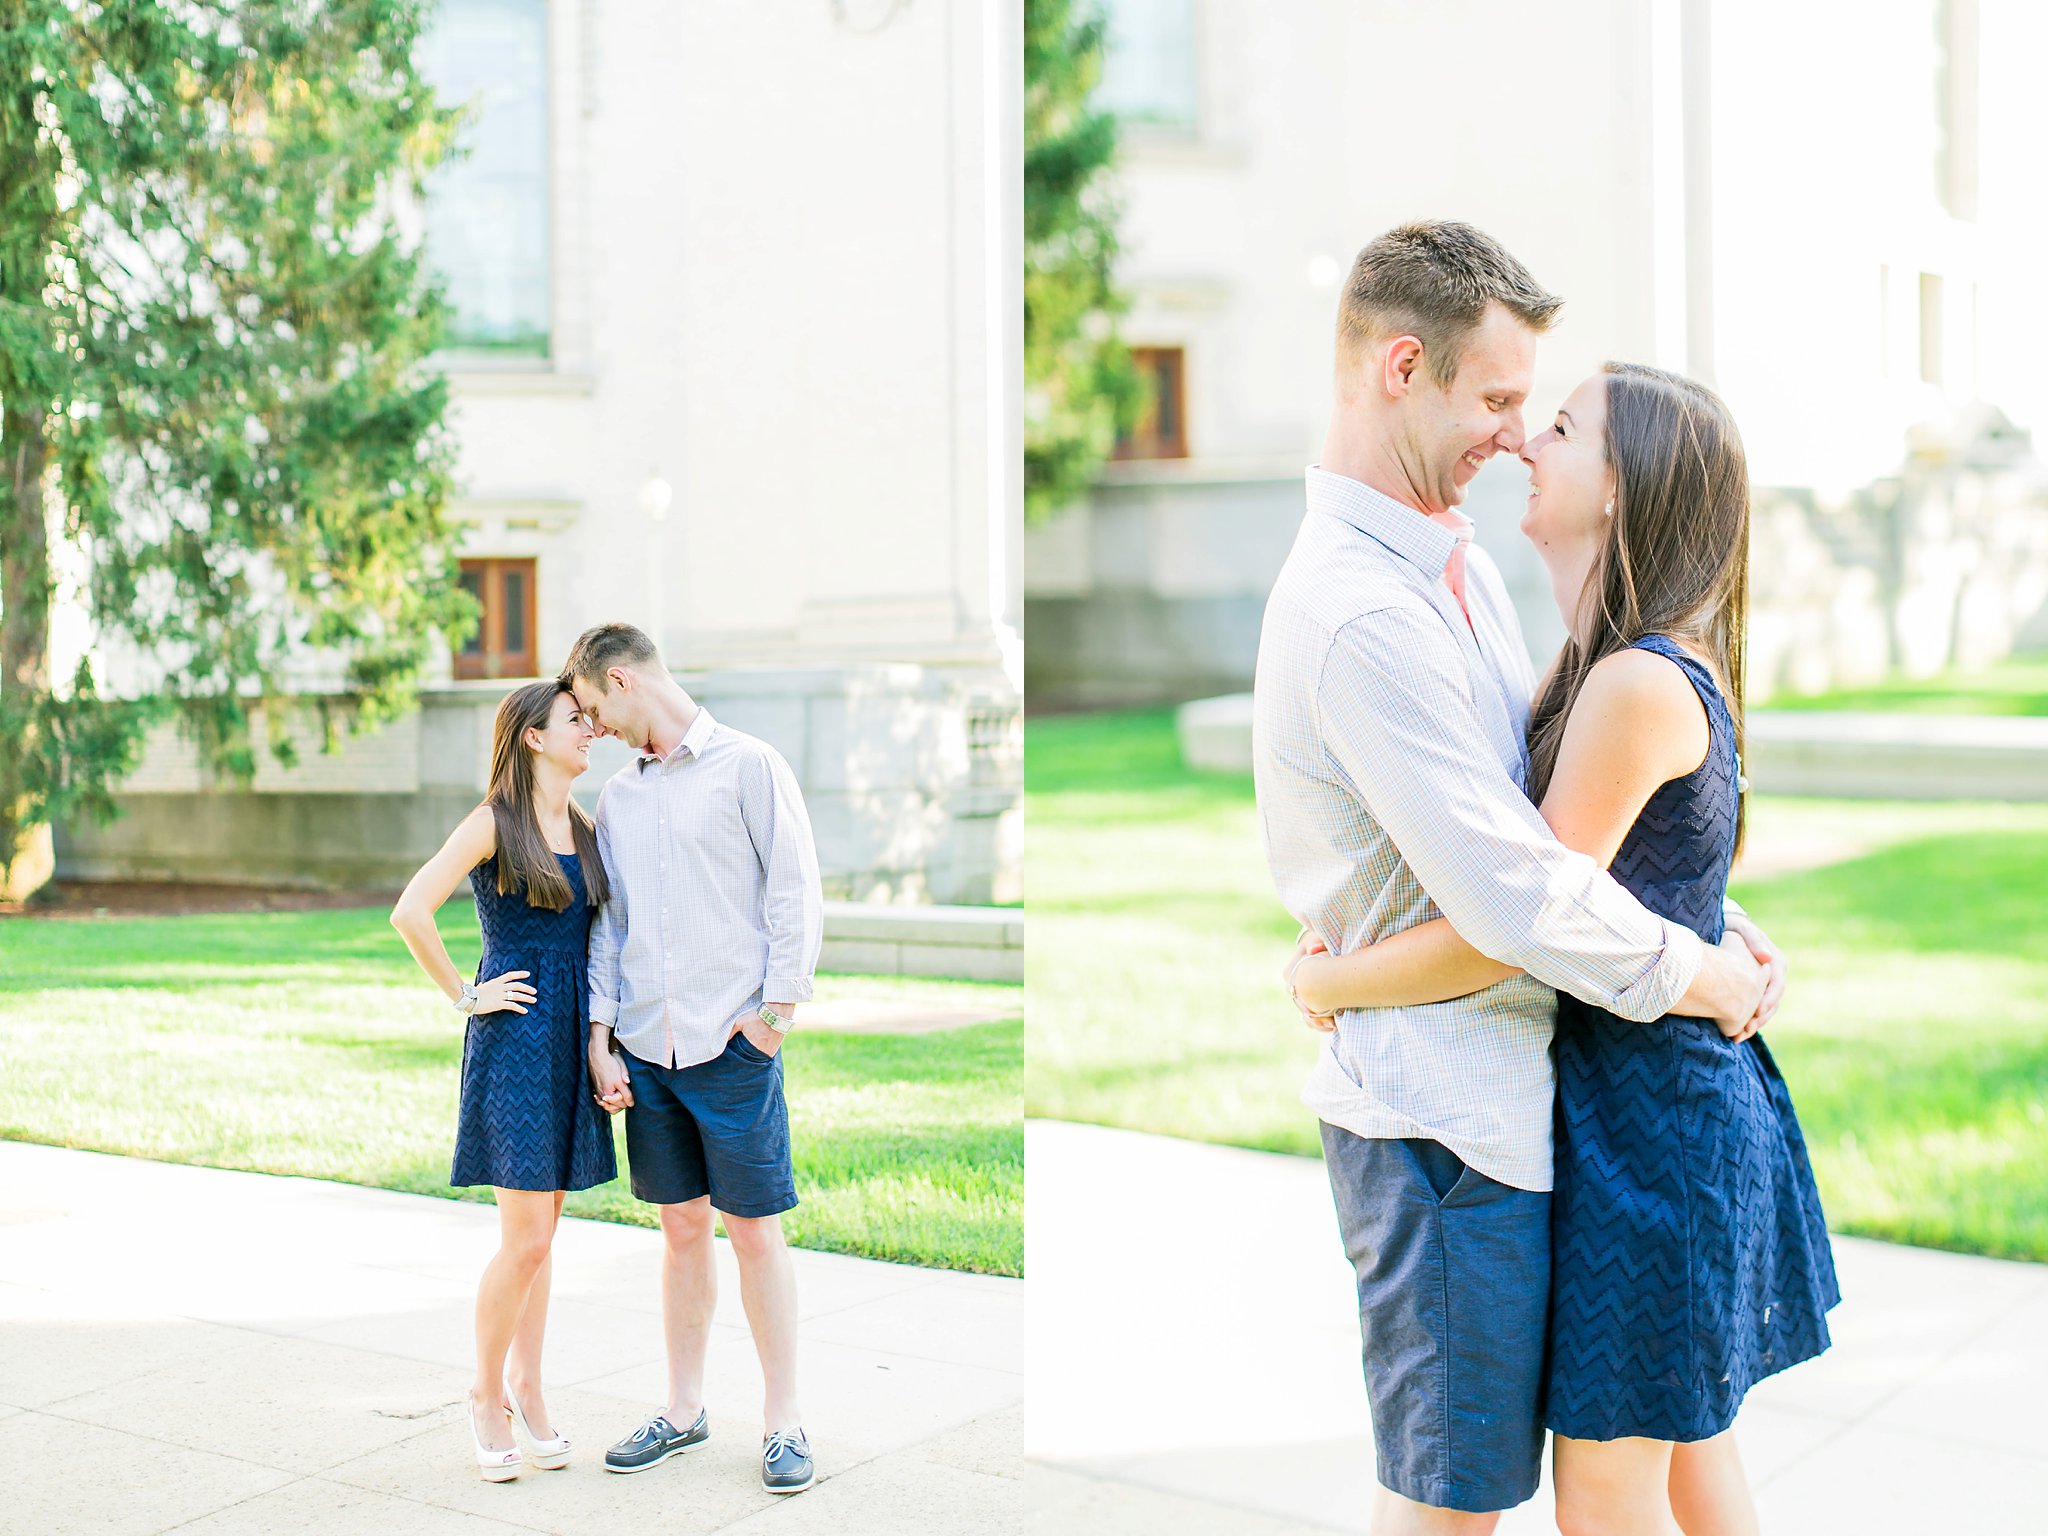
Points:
(598, 650)
(1434, 281)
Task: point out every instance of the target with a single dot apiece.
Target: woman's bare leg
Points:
(522, 1361)
(526, 1228)
(1709, 1490)
(1612, 1487)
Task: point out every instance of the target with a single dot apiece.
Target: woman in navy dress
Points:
(1689, 1256)
(529, 1125)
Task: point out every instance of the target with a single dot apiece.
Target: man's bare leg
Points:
(689, 1296)
(1394, 1515)
(768, 1289)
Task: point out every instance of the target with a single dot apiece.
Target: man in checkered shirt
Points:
(698, 961)
(1390, 708)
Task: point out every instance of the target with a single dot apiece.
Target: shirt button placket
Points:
(661, 872)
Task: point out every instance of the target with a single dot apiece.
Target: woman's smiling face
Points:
(566, 739)
(1571, 485)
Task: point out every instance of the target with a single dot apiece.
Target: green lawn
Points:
(308, 1043)
(1915, 1037)
(2016, 686)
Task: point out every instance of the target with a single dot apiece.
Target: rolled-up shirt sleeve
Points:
(1399, 723)
(608, 932)
(793, 903)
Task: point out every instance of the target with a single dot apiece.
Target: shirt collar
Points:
(692, 743)
(1425, 540)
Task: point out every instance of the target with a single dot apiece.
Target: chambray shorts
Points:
(718, 1128)
(1453, 1304)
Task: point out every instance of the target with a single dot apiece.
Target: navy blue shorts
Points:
(719, 1128)
(1453, 1304)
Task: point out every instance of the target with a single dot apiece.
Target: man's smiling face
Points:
(1453, 429)
(613, 711)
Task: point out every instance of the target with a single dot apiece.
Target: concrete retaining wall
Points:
(1153, 591)
(913, 777)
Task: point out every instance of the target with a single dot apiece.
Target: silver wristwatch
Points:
(774, 1020)
(466, 1003)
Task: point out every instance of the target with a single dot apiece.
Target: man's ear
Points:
(618, 677)
(1399, 363)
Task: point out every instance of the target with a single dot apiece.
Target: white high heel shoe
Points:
(548, 1455)
(495, 1466)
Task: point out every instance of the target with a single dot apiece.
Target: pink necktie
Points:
(1454, 568)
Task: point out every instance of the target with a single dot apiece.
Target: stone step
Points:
(1216, 734)
(960, 943)
(1898, 756)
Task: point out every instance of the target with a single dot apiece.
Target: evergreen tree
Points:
(1080, 389)
(218, 436)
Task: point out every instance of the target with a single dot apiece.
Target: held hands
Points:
(508, 993)
(1309, 945)
(1747, 983)
(1772, 959)
(613, 1090)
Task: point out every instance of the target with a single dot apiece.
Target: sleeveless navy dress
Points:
(528, 1120)
(1689, 1256)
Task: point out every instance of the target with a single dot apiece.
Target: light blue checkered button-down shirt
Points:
(715, 901)
(1389, 754)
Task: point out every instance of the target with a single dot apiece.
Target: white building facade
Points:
(1832, 221)
(736, 348)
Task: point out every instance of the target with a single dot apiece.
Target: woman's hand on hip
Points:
(508, 993)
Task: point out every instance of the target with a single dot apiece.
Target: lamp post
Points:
(655, 496)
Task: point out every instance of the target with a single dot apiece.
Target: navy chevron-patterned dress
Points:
(527, 1119)
(1689, 1256)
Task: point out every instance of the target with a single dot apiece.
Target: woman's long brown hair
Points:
(1676, 560)
(525, 862)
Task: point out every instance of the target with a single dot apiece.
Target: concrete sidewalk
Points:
(213, 1352)
(1193, 1366)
